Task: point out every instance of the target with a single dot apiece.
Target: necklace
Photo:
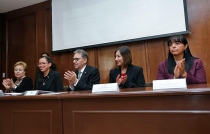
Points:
(17, 82)
(45, 79)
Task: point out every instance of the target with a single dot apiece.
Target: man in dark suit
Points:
(85, 76)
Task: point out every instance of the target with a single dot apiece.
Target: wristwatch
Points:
(13, 88)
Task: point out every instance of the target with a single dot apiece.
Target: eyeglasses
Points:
(76, 59)
(42, 63)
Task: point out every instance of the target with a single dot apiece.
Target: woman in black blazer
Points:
(126, 74)
(21, 83)
(47, 78)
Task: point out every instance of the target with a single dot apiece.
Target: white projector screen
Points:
(91, 23)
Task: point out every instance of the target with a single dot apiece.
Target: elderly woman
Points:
(21, 83)
(126, 74)
(181, 63)
(47, 78)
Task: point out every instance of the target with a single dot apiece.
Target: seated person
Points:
(47, 78)
(85, 76)
(47, 54)
(181, 63)
(126, 75)
(21, 83)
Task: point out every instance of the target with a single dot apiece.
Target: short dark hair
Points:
(187, 54)
(82, 52)
(47, 58)
(126, 54)
(46, 53)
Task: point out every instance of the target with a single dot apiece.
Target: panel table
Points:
(138, 111)
(41, 114)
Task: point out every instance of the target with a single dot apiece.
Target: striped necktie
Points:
(79, 74)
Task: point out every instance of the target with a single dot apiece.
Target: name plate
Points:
(29, 93)
(169, 84)
(110, 87)
(1, 93)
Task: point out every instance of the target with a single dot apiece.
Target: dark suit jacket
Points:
(196, 75)
(89, 77)
(25, 85)
(135, 76)
(54, 82)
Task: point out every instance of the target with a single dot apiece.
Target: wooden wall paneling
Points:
(155, 53)
(2, 47)
(40, 33)
(26, 37)
(199, 22)
(64, 64)
(96, 57)
(139, 56)
(48, 30)
(42, 28)
(21, 43)
(92, 57)
(106, 61)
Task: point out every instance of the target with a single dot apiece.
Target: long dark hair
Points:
(187, 54)
(40, 73)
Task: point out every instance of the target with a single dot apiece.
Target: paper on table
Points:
(13, 94)
(51, 93)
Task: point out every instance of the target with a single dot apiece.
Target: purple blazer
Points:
(196, 75)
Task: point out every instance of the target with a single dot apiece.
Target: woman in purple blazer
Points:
(181, 63)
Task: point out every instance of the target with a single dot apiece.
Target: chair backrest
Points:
(65, 88)
(148, 84)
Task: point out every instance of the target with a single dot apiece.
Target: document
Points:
(13, 94)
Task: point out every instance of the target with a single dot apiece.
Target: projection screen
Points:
(93, 23)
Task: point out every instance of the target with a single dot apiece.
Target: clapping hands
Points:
(121, 79)
(71, 77)
(179, 69)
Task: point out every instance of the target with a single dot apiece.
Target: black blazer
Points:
(25, 85)
(54, 82)
(89, 77)
(135, 76)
